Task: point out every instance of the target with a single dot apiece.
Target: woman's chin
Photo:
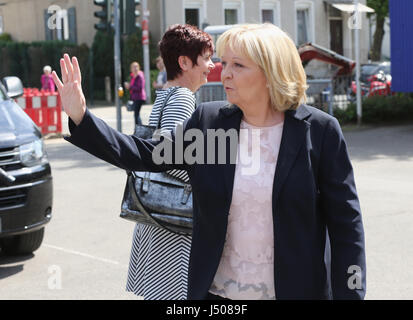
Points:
(230, 98)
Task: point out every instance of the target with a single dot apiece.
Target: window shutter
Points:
(48, 31)
(71, 12)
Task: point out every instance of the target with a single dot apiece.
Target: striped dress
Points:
(158, 267)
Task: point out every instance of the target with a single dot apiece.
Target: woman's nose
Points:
(225, 73)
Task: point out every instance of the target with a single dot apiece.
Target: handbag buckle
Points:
(145, 182)
(186, 193)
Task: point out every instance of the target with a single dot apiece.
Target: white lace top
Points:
(246, 269)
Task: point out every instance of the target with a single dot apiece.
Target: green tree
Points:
(381, 8)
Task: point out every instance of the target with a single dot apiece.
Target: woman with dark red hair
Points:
(158, 268)
(159, 258)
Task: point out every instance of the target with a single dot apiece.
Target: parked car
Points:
(26, 190)
(375, 79)
(370, 69)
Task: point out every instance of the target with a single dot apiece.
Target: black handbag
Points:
(130, 106)
(157, 198)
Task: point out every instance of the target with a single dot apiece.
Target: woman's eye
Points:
(238, 65)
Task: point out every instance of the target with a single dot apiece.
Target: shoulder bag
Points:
(157, 198)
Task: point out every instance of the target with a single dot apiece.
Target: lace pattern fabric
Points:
(246, 269)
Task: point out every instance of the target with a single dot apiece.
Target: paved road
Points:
(87, 246)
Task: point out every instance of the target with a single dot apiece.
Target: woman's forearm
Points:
(123, 151)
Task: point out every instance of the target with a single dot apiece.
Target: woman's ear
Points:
(185, 63)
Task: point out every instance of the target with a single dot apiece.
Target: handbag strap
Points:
(165, 101)
(141, 208)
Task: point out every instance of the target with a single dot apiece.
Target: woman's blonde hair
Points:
(137, 63)
(276, 54)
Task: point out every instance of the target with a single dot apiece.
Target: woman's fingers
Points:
(57, 81)
(65, 77)
(76, 69)
(69, 67)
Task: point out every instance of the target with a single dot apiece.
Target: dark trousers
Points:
(137, 104)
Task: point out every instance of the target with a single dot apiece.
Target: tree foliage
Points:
(381, 8)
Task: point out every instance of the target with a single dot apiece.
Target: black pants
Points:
(137, 104)
(211, 296)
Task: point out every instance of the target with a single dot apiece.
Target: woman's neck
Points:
(262, 117)
(181, 81)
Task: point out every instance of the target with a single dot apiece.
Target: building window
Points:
(304, 22)
(302, 26)
(270, 10)
(192, 17)
(267, 15)
(233, 12)
(194, 12)
(231, 16)
(1, 24)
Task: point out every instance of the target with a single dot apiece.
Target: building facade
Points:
(327, 23)
(38, 20)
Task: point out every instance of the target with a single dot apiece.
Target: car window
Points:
(386, 69)
(2, 95)
(13, 118)
(369, 69)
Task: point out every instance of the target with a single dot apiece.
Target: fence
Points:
(326, 94)
(44, 108)
(211, 91)
(329, 94)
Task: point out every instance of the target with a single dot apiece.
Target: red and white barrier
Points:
(44, 108)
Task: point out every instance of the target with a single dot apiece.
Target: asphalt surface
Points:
(86, 249)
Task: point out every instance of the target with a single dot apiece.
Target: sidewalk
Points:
(107, 112)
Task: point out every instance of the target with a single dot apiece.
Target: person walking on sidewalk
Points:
(137, 90)
(161, 77)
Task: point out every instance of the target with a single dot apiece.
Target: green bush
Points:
(5, 37)
(103, 59)
(379, 109)
(26, 60)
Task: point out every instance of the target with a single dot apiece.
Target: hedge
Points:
(379, 109)
(103, 59)
(26, 60)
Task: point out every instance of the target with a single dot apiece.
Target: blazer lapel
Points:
(294, 133)
(233, 116)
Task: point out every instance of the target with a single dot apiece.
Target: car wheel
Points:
(23, 243)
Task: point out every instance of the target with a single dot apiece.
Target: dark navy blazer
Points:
(313, 192)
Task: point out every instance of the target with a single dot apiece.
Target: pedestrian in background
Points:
(137, 91)
(161, 78)
(47, 80)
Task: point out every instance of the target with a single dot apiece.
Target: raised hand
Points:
(70, 90)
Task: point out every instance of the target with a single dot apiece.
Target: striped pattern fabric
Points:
(158, 267)
(179, 107)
